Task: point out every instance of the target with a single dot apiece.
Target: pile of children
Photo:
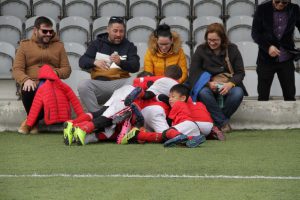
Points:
(155, 109)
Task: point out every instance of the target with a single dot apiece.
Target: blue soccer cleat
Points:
(132, 96)
(139, 118)
(195, 141)
(176, 140)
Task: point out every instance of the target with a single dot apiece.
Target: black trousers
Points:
(286, 75)
(27, 99)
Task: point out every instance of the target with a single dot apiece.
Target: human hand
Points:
(226, 88)
(29, 85)
(115, 58)
(101, 64)
(273, 51)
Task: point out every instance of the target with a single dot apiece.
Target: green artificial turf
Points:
(271, 153)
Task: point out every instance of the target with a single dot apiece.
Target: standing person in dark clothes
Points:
(273, 30)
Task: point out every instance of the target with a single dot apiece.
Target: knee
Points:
(236, 93)
(84, 86)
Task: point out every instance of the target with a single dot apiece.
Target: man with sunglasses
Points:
(273, 30)
(107, 77)
(44, 47)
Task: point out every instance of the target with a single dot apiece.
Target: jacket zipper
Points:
(165, 59)
(54, 94)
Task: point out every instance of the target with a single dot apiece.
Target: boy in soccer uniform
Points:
(104, 119)
(191, 122)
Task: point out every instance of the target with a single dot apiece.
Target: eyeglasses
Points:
(213, 40)
(44, 31)
(284, 2)
(116, 19)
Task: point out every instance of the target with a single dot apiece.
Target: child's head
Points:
(178, 92)
(173, 71)
(144, 74)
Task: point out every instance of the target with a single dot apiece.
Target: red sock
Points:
(171, 133)
(83, 117)
(102, 137)
(86, 126)
(149, 137)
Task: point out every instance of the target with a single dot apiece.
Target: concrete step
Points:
(252, 114)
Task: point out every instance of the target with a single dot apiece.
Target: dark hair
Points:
(181, 89)
(116, 19)
(42, 20)
(173, 71)
(220, 31)
(163, 30)
(144, 73)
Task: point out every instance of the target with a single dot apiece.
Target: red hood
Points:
(46, 72)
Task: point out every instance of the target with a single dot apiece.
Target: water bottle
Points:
(220, 98)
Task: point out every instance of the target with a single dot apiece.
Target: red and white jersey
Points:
(142, 82)
(161, 85)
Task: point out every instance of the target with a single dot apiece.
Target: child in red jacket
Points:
(191, 122)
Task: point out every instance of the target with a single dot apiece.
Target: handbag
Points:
(225, 76)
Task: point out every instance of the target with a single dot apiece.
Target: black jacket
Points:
(262, 30)
(205, 60)
(103, 45)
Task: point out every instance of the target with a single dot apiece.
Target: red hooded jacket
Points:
(55, 97)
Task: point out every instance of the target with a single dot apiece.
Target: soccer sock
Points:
(86, 126)
(83, 117)
(171, 133)
(102, 137)
(149, 137)
(102, 122)
(99, 112)
(90, 138)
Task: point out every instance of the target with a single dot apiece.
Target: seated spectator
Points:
(215, 57)
(164, 49)
(110, 58)
(44, 47)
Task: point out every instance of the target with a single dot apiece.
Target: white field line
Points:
(154, 176)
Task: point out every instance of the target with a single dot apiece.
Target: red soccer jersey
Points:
(180, 112)
(198, 111)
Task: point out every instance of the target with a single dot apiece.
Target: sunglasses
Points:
(116, 19)
(47, 31)
(282, 1)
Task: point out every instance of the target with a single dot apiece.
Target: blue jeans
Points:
(232, 101)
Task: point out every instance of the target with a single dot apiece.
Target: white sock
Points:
(90, 138)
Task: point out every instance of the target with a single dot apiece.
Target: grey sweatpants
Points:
(94, 93)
